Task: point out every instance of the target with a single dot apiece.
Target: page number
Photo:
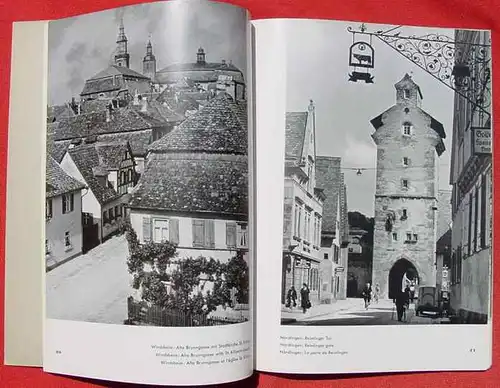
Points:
(58, 352)
(472, 350)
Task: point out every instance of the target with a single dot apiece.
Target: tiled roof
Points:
(138, 140)
(57, 182)
(86, 159)
(100, 86)
(57, 149)
(92, 106)
(328, 177)
(443, 244)
(122, 120)
(159, 112)
(181, 104)
(218, 184)
(118, 70)
(111, 153)
(56, 112)
(295, 131)
(217, 127)
(197, 72)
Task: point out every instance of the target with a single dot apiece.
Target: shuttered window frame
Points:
(147, 228)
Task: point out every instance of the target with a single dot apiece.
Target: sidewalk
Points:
(289, 315)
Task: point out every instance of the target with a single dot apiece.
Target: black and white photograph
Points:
(387, 175)
(147, 170)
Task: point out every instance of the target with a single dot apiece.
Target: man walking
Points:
(401, 301)
(367, 295)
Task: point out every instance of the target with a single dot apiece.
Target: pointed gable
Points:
(329, 178)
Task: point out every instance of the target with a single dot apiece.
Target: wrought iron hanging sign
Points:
(464, 67)
(361, 58)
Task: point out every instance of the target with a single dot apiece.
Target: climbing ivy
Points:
(193, 285)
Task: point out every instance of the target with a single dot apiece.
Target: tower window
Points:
(404, 183)
(404, 216)
(394, 237)
(406, 93)
(406, 161)
(407, 129)
(408, 236)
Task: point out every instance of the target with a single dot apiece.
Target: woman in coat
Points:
(305, 303)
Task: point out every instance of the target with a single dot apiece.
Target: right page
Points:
(374, 197)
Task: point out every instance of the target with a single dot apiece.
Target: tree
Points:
(238, 277)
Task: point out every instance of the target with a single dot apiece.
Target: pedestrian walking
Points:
(367, 294)
(305, 303)
(291, 297)
(376, 293)
(412, 292)
(401, 301)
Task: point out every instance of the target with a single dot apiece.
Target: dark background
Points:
(445, 13)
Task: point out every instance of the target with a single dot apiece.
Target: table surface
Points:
(446, 13)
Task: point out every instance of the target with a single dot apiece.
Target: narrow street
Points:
(352, 313)
(93, 287)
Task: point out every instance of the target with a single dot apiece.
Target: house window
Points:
(415, 237)
(203, 233)
(125, 155)
(407, 129)
(404, 183)
(335, 254)
(67, 240)
(394, 237)
(160, 230)
(48, 209)
(117, 211)
(406, 161)
(242, 236)
(129, 175)
(406, 93)
(105, 217)
(47, 247)
(404, 216)
(408, 236)
(111, 215)
(325, 256)
(68, 203)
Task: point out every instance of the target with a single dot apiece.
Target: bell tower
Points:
(149, 62)
(122, 57)
(409, 142)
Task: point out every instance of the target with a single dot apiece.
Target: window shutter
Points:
(146, 228)
(231, 234)
(72, 202)
(209, 234)
(198, 233)
(174, 230)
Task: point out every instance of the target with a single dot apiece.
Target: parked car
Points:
(428, 303)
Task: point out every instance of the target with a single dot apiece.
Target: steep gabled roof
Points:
(57, 182)
(329, 178)
(56, 112)
(86, 159)
(111, 153)
(218, 127)
(118, 70)
(138, 140)
(295, 131)
(214, 184)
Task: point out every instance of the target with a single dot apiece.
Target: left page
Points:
(147, 195)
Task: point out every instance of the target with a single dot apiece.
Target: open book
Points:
(193, 196)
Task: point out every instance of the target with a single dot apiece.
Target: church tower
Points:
(122, 57)
(409, 142)
(149, 62)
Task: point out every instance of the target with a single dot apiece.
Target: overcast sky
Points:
(317, 60)
(81, 46)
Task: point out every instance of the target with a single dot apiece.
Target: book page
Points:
(374, 200)
(25, 176)
(147, 201)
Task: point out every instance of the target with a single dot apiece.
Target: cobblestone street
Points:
(351, 312)
(93, 287)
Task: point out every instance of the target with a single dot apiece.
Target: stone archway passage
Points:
(396, 274)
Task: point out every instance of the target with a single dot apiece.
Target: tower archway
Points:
(403, 271)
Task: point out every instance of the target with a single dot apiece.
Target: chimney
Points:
(144, 104)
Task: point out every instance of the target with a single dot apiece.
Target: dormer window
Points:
(405, 184)
(407, 127)
(406, 161)
(406, 94)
